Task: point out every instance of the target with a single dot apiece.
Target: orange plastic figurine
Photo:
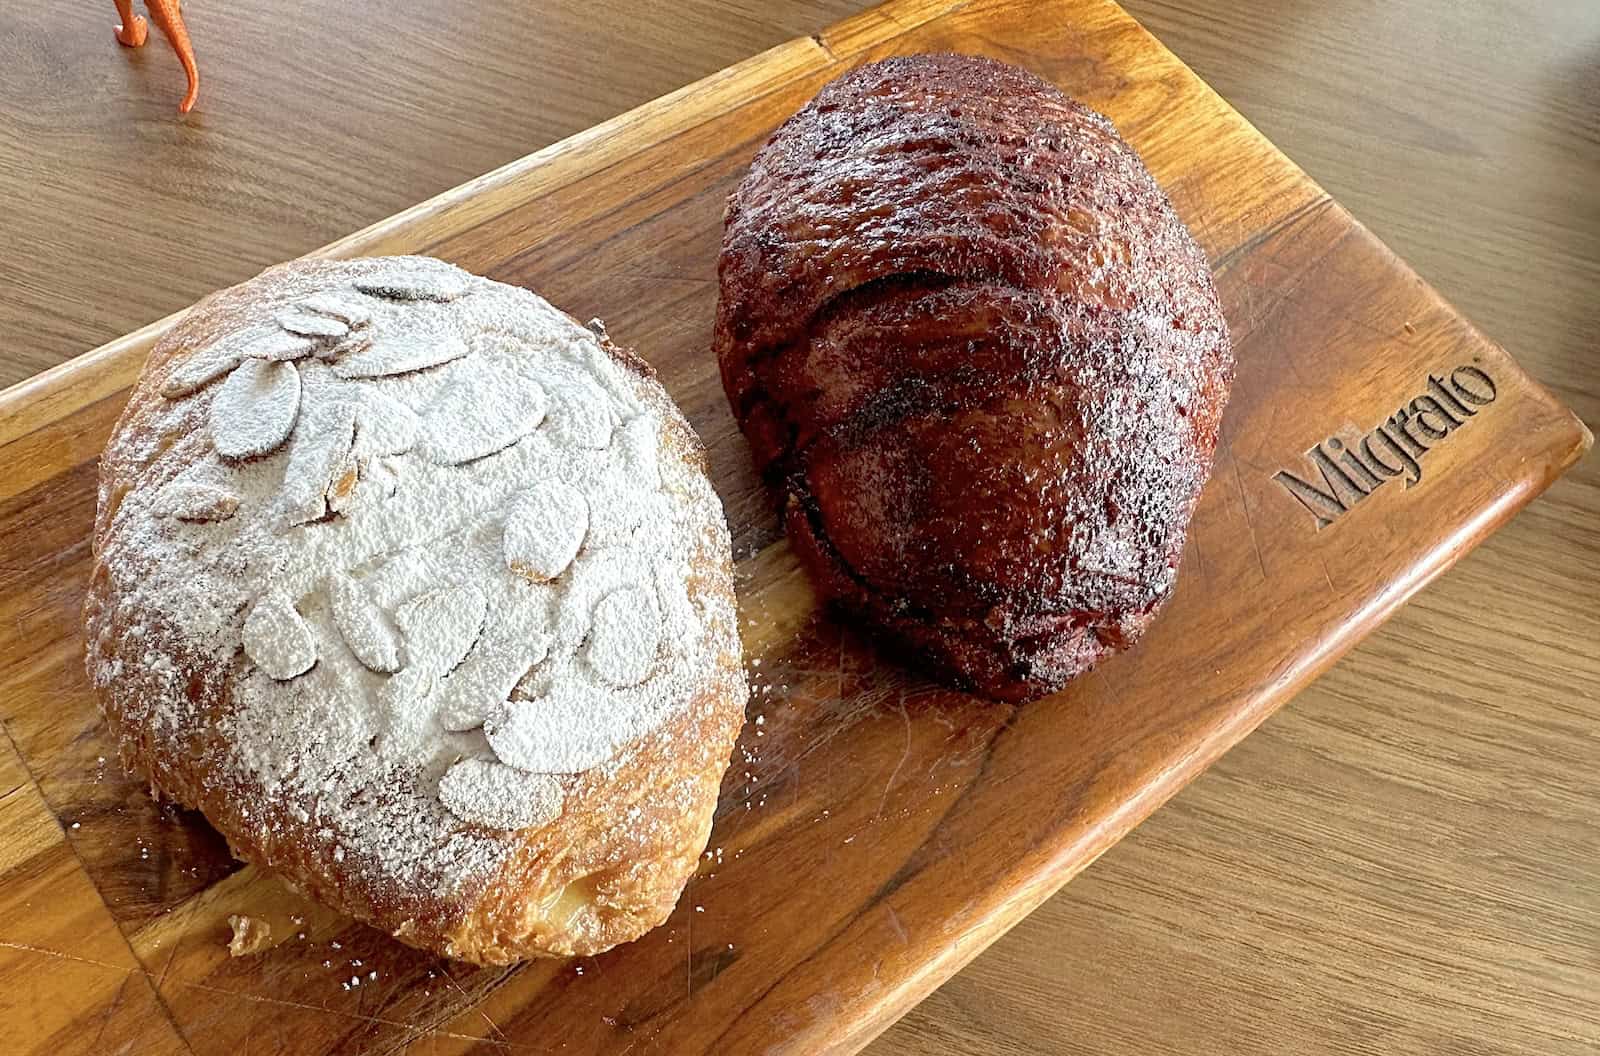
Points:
(169, 17)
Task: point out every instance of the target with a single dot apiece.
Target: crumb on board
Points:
(250, 935)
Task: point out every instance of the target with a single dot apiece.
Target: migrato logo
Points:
(1394, 448)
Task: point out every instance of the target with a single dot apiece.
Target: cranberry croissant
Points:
(981, 360)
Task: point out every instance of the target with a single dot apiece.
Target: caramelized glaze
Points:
(981, 361)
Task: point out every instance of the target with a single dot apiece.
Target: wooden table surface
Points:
(1407, 858)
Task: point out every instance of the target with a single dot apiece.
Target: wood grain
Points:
(152, 938)
(314, 120)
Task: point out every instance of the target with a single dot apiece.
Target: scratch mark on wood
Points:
(904, 755)
(444, 972)
(262, 999)
(688, 941)
(188, 911)
(651, 276)
(45, 952)
(1288, 220)
(1112, 691)
(77, 854)
(1327, 576)
(899, 928)
(110, 1010)
(501, 1042)
(1244, 504)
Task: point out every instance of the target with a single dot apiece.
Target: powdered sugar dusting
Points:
(556, 733)
(384, 425)
(582, 415)
(429, 622)
(422, 279)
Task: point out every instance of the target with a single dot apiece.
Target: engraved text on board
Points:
(1342, 474)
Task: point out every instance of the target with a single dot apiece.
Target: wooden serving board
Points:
(875, 832)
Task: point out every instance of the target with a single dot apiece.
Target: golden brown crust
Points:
(982, 360)
(607, 869)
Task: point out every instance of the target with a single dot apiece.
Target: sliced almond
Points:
(276, 637)
(407, 715)
(195, 500)
(497, 796)
(279, 346)
(544, 529)
(363, 625)
(483, 412)
(581, 415)
(573, 728)
(201, 367)
(640, 438)
(384, 425)
(348, 309)
(624, 636)
(613, 523)
(441, 626)
(367, 483)
(484, 680)
(401, 353)
(353, 342)
(311, 324)
(416, 279)
(321, 451)
(255, 410)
